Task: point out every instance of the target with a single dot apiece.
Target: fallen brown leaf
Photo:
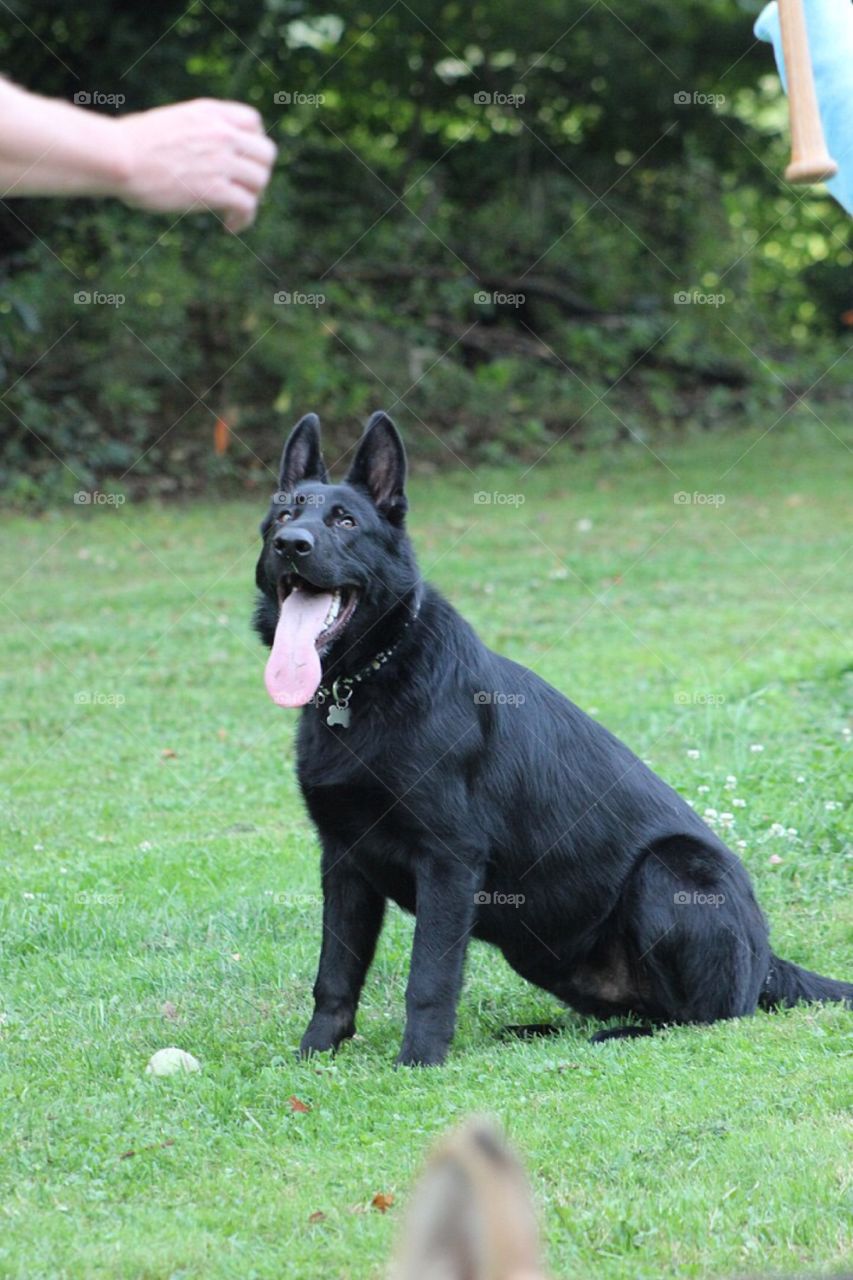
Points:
(296, 1104)
(382, 1202)
(169, 1010)
(168, 754)
(152, 1146)
(317, 1216)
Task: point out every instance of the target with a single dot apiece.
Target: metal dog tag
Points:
(339, 715)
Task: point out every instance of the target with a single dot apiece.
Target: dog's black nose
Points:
(297, 542)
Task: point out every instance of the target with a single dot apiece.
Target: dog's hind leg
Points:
(531, 1030)
(620, 1033)
(695, 934)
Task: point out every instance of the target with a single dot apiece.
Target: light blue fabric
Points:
(830, 28)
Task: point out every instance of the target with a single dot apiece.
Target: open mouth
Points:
(342, 603)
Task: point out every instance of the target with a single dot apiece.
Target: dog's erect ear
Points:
(302, 459)
(379, 467)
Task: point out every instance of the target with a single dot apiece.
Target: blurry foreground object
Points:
(471, 1216)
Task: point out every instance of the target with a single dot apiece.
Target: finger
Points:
(257, 147)
(242, 115)
(240, 208)
(235, 223)
(254, 177)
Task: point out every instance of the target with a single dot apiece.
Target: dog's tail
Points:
(787, 984)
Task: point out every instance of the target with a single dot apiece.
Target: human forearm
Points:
(203, 154)
(53, 148)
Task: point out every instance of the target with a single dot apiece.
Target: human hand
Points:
(203, 154)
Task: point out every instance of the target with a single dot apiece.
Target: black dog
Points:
(469, 791)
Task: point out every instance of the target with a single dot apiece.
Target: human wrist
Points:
(109, 157)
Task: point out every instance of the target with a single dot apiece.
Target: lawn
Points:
(160, 884)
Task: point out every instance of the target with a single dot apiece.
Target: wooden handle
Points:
(810, 160)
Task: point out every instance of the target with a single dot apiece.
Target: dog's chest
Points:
(360, 818)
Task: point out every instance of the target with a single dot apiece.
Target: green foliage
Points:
(582, 185)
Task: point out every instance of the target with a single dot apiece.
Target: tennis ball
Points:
(168, 1062)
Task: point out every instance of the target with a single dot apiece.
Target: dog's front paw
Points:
(324, 1035)
(423, 1055)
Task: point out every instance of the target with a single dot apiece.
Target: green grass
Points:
(133, 878)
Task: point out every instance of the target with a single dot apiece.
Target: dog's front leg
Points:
(352, 919)
(444, 915)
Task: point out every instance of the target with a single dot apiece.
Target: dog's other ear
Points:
(302, 459)
(379, 467)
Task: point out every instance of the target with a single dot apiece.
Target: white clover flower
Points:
(832, 804)
(738, 803)
(710, 813)
(777, 829)
(692, 754)
(756, 747)
(703, 791)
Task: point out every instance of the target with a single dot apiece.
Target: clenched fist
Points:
(196, 155)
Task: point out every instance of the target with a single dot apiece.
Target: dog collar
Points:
(342, 689)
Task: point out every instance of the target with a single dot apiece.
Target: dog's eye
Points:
(345, 522)
(283, 515)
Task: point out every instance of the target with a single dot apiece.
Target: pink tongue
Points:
(293, 670)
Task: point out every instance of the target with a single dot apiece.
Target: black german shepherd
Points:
(465, 788)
